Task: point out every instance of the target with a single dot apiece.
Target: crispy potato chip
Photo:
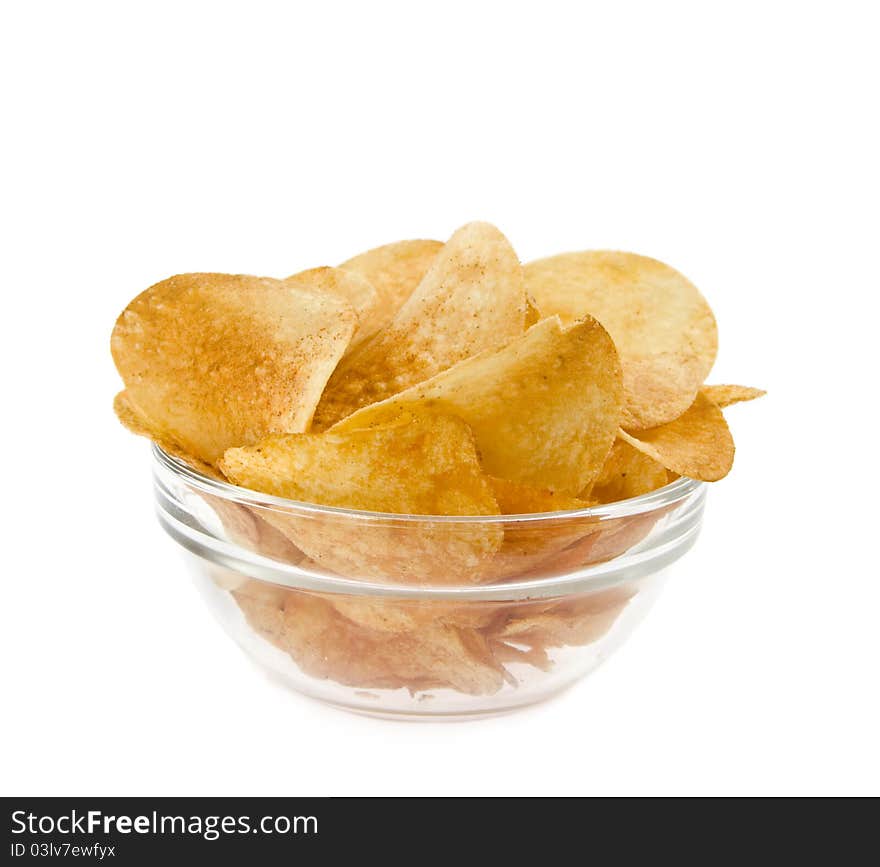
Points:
(471, 299)
(662, 326)
(574, 621)
(349, 287)
(329, 646)
(394, 271)
(533, 315)
(132, 419)
(698, 444)
(544, 408)
(527, 544)
(400, 615)
(627, 473)
(727, 395)
(509, 653)
(514, 498)
(219, 360)
(243, 525)
(415, 464)
(528, 549)
(247, 528)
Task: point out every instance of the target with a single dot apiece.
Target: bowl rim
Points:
(669, 494)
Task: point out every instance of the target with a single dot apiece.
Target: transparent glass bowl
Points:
(414, 616)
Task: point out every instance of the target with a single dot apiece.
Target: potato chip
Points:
(698, 444)
(509, 653)
(471, 299)
(246, 527)
(349, 287)
(132, 419)
(514, 498)
(326, 645)
(528, 544)
(415, 464)
(394, 271)
(242, 525)
(663, 328)
(627, 472)
(219, 360)
(573, 621)
(727, 395)
(533, 315)
(544, 408)
(401, 615)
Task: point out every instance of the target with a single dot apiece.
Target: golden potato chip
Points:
(662, 326)
(132, 419)
(247, 528)
(349, 287)
(394, 271)
(627, 472)
(514, 498)
(219, 360)
(544, 408)
(400, 615)
(415, 464)
(533, 315)
(528, 544)
(326, 645)
(535, 656)
(727, 395)
(470, 299)
(698, 444)
(574, 621)
(243, 525)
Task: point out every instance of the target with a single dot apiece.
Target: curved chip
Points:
(626, 473)
(401, 615)
(326, 645)
(415, 465)
(529, 544)
(220, 360)
(514, 498)
(544, 408)
(394, 271)
(471, 299)
(349, 287)
(697, 444)
(243, 525)
(727, 395)
(662, 326)
(572, 621)
(132, 419)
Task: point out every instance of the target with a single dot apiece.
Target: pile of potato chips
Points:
(427, 379)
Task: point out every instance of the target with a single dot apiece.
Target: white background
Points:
(737, 142)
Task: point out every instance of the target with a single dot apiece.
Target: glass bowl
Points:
(411, 616)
